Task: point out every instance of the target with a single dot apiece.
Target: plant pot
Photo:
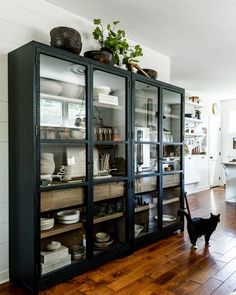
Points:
(100, 55)
(66, 38)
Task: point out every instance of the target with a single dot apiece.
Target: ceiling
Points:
(198, 36)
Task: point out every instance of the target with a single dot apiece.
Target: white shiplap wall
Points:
(20, 22)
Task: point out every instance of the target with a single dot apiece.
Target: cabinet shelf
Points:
(145, 112)
(62, 98)
(170, 116)
(187, 134)
(59, 229)
(173, 200)
(108, 217)
(107, 106)
(193, 104)
(193, 120)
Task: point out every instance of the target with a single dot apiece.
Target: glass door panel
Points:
(171, 116)
(146, 112)
(109, 215)
(109, 161)
(109, 107)
(62, 100)
(146, 204)
(63, 158)
(146, 156)
(171, 157)
(171, 198)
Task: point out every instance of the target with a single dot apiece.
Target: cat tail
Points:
(182, 212)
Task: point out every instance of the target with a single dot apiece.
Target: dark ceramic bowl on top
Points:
(100, 55)
(151, 73)
(66, 38)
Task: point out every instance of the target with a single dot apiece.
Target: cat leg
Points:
(207, 238)
(193, 241)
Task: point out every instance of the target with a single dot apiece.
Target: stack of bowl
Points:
(103, 240)
(68, 216)
(46, 223)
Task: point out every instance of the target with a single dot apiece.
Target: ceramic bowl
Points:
(53, 245)
(68, 215)
(151, 73)
(77, 252)
(51, 87)
(102, 90)
(66, 38)
(100, 55)
(71, 90)
(102, 237)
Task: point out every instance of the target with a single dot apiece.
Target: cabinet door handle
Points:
(211, 157)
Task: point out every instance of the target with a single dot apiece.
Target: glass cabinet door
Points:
(146, 145)
(63, 157)
(172, 156)
(109, 160)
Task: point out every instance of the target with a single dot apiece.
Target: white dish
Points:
(67, 215)
(104, 245)
(102, 237)
(68, 221)
(167, 217)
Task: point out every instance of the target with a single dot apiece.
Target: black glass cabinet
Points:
(95, 163)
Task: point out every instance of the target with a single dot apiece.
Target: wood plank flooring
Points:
(169, 266)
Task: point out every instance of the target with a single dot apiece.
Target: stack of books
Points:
(52, 260)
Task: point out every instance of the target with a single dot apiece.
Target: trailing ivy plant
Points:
(114, 39)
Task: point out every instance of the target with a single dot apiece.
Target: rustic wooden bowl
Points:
(151, 73)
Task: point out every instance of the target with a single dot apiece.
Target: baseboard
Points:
(199, 189)
(4, 276)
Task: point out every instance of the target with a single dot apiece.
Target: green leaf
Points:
(97, 21)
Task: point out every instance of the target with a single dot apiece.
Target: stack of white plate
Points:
(103, 240)
(68, 216)
(46, 223)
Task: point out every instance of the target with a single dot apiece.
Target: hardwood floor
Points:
(169, 266)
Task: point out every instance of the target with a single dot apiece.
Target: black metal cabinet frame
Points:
(24, 159)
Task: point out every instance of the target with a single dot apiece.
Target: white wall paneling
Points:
(23, 21)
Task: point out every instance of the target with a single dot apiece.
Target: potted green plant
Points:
(110, 38)
(113, 40)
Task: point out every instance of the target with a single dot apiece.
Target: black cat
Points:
(198, 227)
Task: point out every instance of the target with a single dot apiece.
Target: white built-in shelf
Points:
(171, 116)
(141, 111)
(193, 104)
(187, 119)
(188, 134)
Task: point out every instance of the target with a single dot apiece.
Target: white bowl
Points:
(71, 90)
(68, 215)
(50, 86)
(137, 229)
(102, 90)
(53, 245)
(102, 237)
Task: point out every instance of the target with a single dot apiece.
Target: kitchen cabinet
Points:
(96, 163)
